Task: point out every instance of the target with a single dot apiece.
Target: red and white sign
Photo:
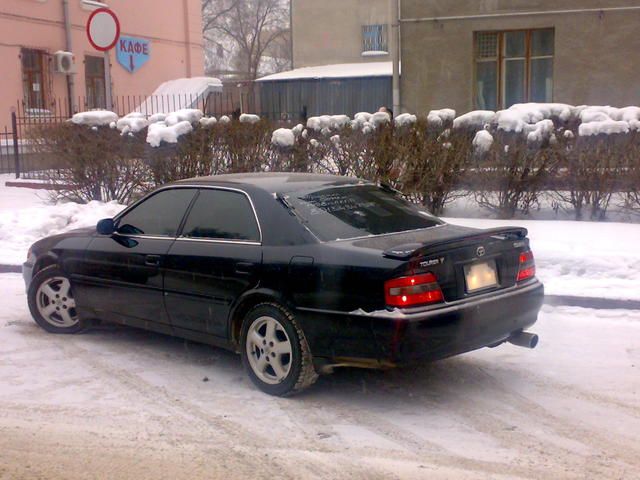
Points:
(103, 29)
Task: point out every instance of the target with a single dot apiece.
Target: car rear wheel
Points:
(52, 304)
(275, 352)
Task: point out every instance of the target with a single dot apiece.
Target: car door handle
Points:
(152, 260)
(244, 268)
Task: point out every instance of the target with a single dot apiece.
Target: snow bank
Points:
(94, 118)
(605, 127)
(133, 122)
(283, 138)
(159, 132)
(249, 118)
(20, 228)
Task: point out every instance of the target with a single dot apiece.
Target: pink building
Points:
(163, 41)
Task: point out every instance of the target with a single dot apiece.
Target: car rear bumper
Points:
(380, 339)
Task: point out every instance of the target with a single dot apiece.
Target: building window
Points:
(513, 67)
(35, 78)
(374, 38)
(95, 82)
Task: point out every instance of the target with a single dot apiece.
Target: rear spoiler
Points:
(407, 250)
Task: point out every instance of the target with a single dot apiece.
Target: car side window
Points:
(158, 215)
(222, 214)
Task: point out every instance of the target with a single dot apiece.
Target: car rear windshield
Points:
(339, 213)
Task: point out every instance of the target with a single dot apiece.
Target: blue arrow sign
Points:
(132, 53)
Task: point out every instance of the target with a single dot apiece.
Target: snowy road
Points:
(122, 403)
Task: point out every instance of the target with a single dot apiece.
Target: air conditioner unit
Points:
(64, 62)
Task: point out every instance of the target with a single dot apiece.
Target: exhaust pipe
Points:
(524, 339)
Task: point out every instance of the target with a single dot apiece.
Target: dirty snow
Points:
(120, 402)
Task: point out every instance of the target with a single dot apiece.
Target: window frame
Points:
(501, 60)
(91, 100)
(28, 74)
(178, 236)
(219, 240)
(383, 35)
(130, 208)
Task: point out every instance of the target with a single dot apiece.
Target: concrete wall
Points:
(174, 28)
(597, 56)
(330, 31)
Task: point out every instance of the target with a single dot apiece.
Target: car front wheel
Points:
(275, 352)
(52, 304)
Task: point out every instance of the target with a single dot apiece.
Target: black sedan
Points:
(299, 273)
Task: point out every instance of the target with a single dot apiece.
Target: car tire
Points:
(275, 352)
(52, 304)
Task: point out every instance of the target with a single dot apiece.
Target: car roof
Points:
(274, 182)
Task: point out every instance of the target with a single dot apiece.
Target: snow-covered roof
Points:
(178, 94)
(340, 70)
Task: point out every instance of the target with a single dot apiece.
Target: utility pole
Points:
(394, 20)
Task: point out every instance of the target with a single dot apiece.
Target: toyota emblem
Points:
(480, 251)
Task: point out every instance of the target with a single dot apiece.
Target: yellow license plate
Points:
(479, 276)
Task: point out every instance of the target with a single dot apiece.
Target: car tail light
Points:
(412, 291)
(527, 266)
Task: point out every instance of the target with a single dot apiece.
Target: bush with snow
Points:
(159, 132)
(249, 118)
(283, 138)
(94, 118)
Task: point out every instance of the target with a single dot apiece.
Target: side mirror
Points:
(106, 226)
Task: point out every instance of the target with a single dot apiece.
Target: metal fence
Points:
(17, 152)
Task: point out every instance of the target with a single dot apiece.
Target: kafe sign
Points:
(132, 53)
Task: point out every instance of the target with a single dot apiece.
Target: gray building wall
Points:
(330, 31)
(596, 59)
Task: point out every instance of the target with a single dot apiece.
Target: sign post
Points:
(103, 31)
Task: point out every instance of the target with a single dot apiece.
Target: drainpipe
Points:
(394, 20)
(185, 4)
(69, 48)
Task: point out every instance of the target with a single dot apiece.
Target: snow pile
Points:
(598, 120)
(335, 140)
(298, 130)
(327, 123)
(249, 118)
(361, 118)
(94, 118)
(224, 119)
(475, 120)
(380, 118)
(584, 259)
(405, 119)
(482, 142)
(157, 117)
(541, 131)
(133, 122)
(283, 138)
(438, 118)
(160, 132)
(208, 122)
(191, 115)
(20, 228)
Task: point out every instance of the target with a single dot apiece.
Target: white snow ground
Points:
(122, 403)
(586, 259)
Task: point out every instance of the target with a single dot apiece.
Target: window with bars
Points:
(513, 67)
(374, 38)
(35, 78)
